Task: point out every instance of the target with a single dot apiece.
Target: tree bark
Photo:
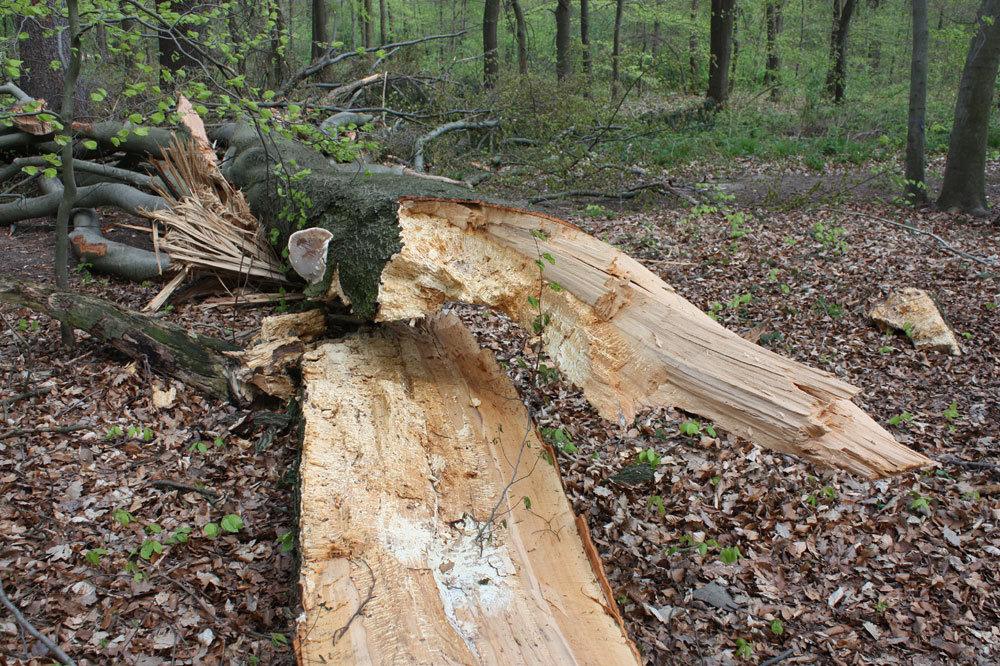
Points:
(772, 69)
(723, 14)
(383, 21)
(320, 28)
(491, 19)
(585, 36)
(616, 46)
(562, 39)
(68, 177)
(693, 46)
(38, 51)
(964, 186)
(176, 50)
(521, 27)
(736, 49)
(836, 79)
(916, 189)
(367, 24)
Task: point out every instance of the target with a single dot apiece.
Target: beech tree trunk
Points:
(836, 78)
(616, 47)
(491, 19)
(585, 36)
(521, 29)
(320, 28)
(772, 69)
(38, 51)
(964, 186)
(723, 15)
(562, 39)
(916, 189)
(367, 24)
(693, 47)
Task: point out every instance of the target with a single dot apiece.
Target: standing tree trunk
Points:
(367, 25)
(176, 50)
(383, 21)
(37, 77)
(773, 65)
(736, 49)
(522, 37)
(964, 187)
(836, 78)
(585, 36)
(320, 28)
(562, 39)
(693, 46)
(68, 177)
(916, 189)
(617, 48)
(491, 17)
(721, 49)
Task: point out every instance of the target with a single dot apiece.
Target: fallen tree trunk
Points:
(400, 248)
(207, 364)
(434, 525)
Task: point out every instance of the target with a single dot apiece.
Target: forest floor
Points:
(119, 539)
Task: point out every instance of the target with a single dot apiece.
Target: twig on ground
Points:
(781, 657)
(944, 243)
(16, 432)
(27, 394)
(418, 148)
(53, 649)
(178, 485)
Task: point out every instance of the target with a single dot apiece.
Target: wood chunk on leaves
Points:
(915, 313)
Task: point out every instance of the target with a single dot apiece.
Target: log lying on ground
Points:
(414, 548)
(207, 364)
(401, 248)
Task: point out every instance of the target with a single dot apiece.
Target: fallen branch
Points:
(27, 394)
(944, 243)
(119, 195)
(418, 149)
(569, 194)
(329, 59)
(17, 432)
(123, 175)
(186, 487)
(49, 644)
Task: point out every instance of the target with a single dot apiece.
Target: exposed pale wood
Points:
(265, 366)
(623, 335)
(307, 326)
(914, 311)
(411, 436)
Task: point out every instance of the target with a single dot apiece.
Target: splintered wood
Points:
(623, 335)
(434, 528)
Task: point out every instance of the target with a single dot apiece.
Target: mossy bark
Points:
(196, 360)
(361, 211)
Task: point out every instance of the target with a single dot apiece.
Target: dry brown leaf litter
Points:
(857, 572)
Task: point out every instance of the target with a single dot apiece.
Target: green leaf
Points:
(90, 144)
(94, 556)
(533, 302)
(527, 502)
(211, 530)
(232, 523)
(279, 639)
(555, 286)
(690, 428)
(30, 170)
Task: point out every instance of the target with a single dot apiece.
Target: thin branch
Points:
(329, 59)
(944, 243)
(124, 175)
(27, 394)
(53, 649)
(119, 195)
(418, 148)
(187, 487)
(17, 432)
(10, 89)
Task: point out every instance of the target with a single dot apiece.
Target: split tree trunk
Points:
(401, 248)
(435, 528)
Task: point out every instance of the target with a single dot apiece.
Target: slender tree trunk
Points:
(773, 67)
(562, 39)
(367, 25)
(616, 48)
(585, 36)
(521, 28)
(320, 28)
(383, 21)
(916, 190)
(176, 50)
(964, 187)
(68, 177)
(736, 49)
(693, 45)
(491, 18)
(721, 50)
(836, 78)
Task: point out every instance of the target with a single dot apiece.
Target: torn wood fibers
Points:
(434, 528)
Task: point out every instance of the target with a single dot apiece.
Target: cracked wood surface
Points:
(623, 335)
(411, 436)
